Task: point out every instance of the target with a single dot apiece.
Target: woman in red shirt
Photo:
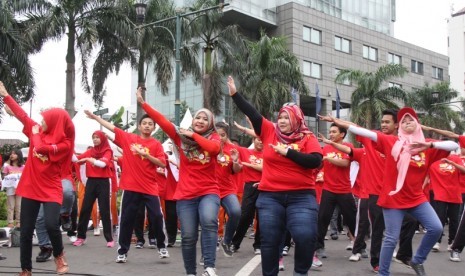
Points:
(197, 193)
(408, 157)
(51, 145)
(97, 161)
(287, 187)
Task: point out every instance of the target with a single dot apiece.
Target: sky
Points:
(420, 22)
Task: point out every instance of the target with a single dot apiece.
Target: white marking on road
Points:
(250, 266)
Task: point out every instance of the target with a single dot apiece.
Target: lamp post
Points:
(177, 44)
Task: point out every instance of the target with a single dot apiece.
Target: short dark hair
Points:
(144, 117)
(391, 112)
(223, 126)
(341, 129)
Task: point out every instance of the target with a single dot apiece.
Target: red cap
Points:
(404, 111)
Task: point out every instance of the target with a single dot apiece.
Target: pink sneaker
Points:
(111, 244)
(281, 264)
(79, 242)
(316, 262)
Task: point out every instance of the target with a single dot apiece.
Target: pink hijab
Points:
(401, 151)
(298, 126)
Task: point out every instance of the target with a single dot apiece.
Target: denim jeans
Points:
(426, 215)
(298, 212)
(232, 207)
(191, 212)
(66, 208)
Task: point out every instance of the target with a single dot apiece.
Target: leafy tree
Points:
(370, 98)
(442, 116)
(266, 73)
(85, 23)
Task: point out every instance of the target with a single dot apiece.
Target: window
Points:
(312, 69)
(370, 53)
(394, 59)
(417, 67)
(346, 81)
(312, 35)
(393, 84)
(342, 44)
(438, 73)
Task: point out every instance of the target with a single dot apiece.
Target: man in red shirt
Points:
(142, 155)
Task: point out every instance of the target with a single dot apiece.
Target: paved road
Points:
(94, 259)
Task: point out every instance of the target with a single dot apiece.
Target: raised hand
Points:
(234, 155)
(327, 118)
(3, 91)
(140, 98)
(35, 129)
(185, 132)
(231, 86)
(90, 115)
(323, 139)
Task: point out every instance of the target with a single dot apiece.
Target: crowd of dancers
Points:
(288, 183)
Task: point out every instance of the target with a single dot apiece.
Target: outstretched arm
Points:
(340, 147)
(442, 132)
(461, 168)
(245, 130)
(14, 108)
(101, 121)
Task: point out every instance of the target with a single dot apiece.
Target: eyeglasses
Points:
(289, 104)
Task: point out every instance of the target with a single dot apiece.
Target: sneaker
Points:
(62, 265)
(436, 247)
(257, 251)
(417, 231)
(209, 271)
(364, 253)
(321, 253)
(139, 245)
(449, 247)
(419, 269)
(316, 262)
(350, 246)
(342, 233)
(201, 261)
(73, 239)
(65, 222)
(97, 231)
(334, 236)
(111, 244)
(226, 249)
(326, 238)
(252, 235)
(79, 242)
(163, 253)
(455, 256)
(405, 262)
(286, 250)
(234, 248)
(281, 264)
(152, 243)
(171, 244)
(45, 254)
(25, 272)
(355, 257)
(376, 269)
(122, 258)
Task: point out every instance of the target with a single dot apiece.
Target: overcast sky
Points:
(420, 22)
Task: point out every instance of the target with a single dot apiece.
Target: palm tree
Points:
(442, 116)
(15, 69)
(369, 99)
(84, 22)
(220, 42)
(267, 73)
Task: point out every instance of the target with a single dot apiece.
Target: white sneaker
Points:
(454, 256)
(257, 251)
(449, 247)
(350, 246)
(436, 247)
(97, 231)
(73, 239)
(209, 271)
(355, 257)
(122, 258)
(163, 252)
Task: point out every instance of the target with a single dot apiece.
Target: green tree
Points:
(442, 116)
(370, 98)
(266, 73)
(219, 41)
(15, 69)
(84, 22)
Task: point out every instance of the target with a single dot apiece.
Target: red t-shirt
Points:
(224, 171)
(359, 188)
(253, 157)
(444, 180)
(94, 171)
(337, 179)
(319, 183)
(411, 194)
(374, 166)
(196, 175)
(281, 173)
(462, 175)
(171, 184)
(161, 179)
(139, 174)
(41, 177)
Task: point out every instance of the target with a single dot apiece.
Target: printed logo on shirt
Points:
(334, 155)
(223, 159)
(139, 146)
(446, 168)
(254, 160)
(202, 157)
(41, 157)
(418, 159)
(288, 146)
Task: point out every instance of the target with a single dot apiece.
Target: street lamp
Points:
(141, 7)
(452, 103)
(435, 95)
(177, 44)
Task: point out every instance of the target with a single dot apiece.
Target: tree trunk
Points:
(206, 79)
(70, 72)
(140, 83)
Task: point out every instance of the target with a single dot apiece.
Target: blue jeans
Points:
(191, 212)
(426, 215)
(232, 207)
(66, 208)
(298, 212)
